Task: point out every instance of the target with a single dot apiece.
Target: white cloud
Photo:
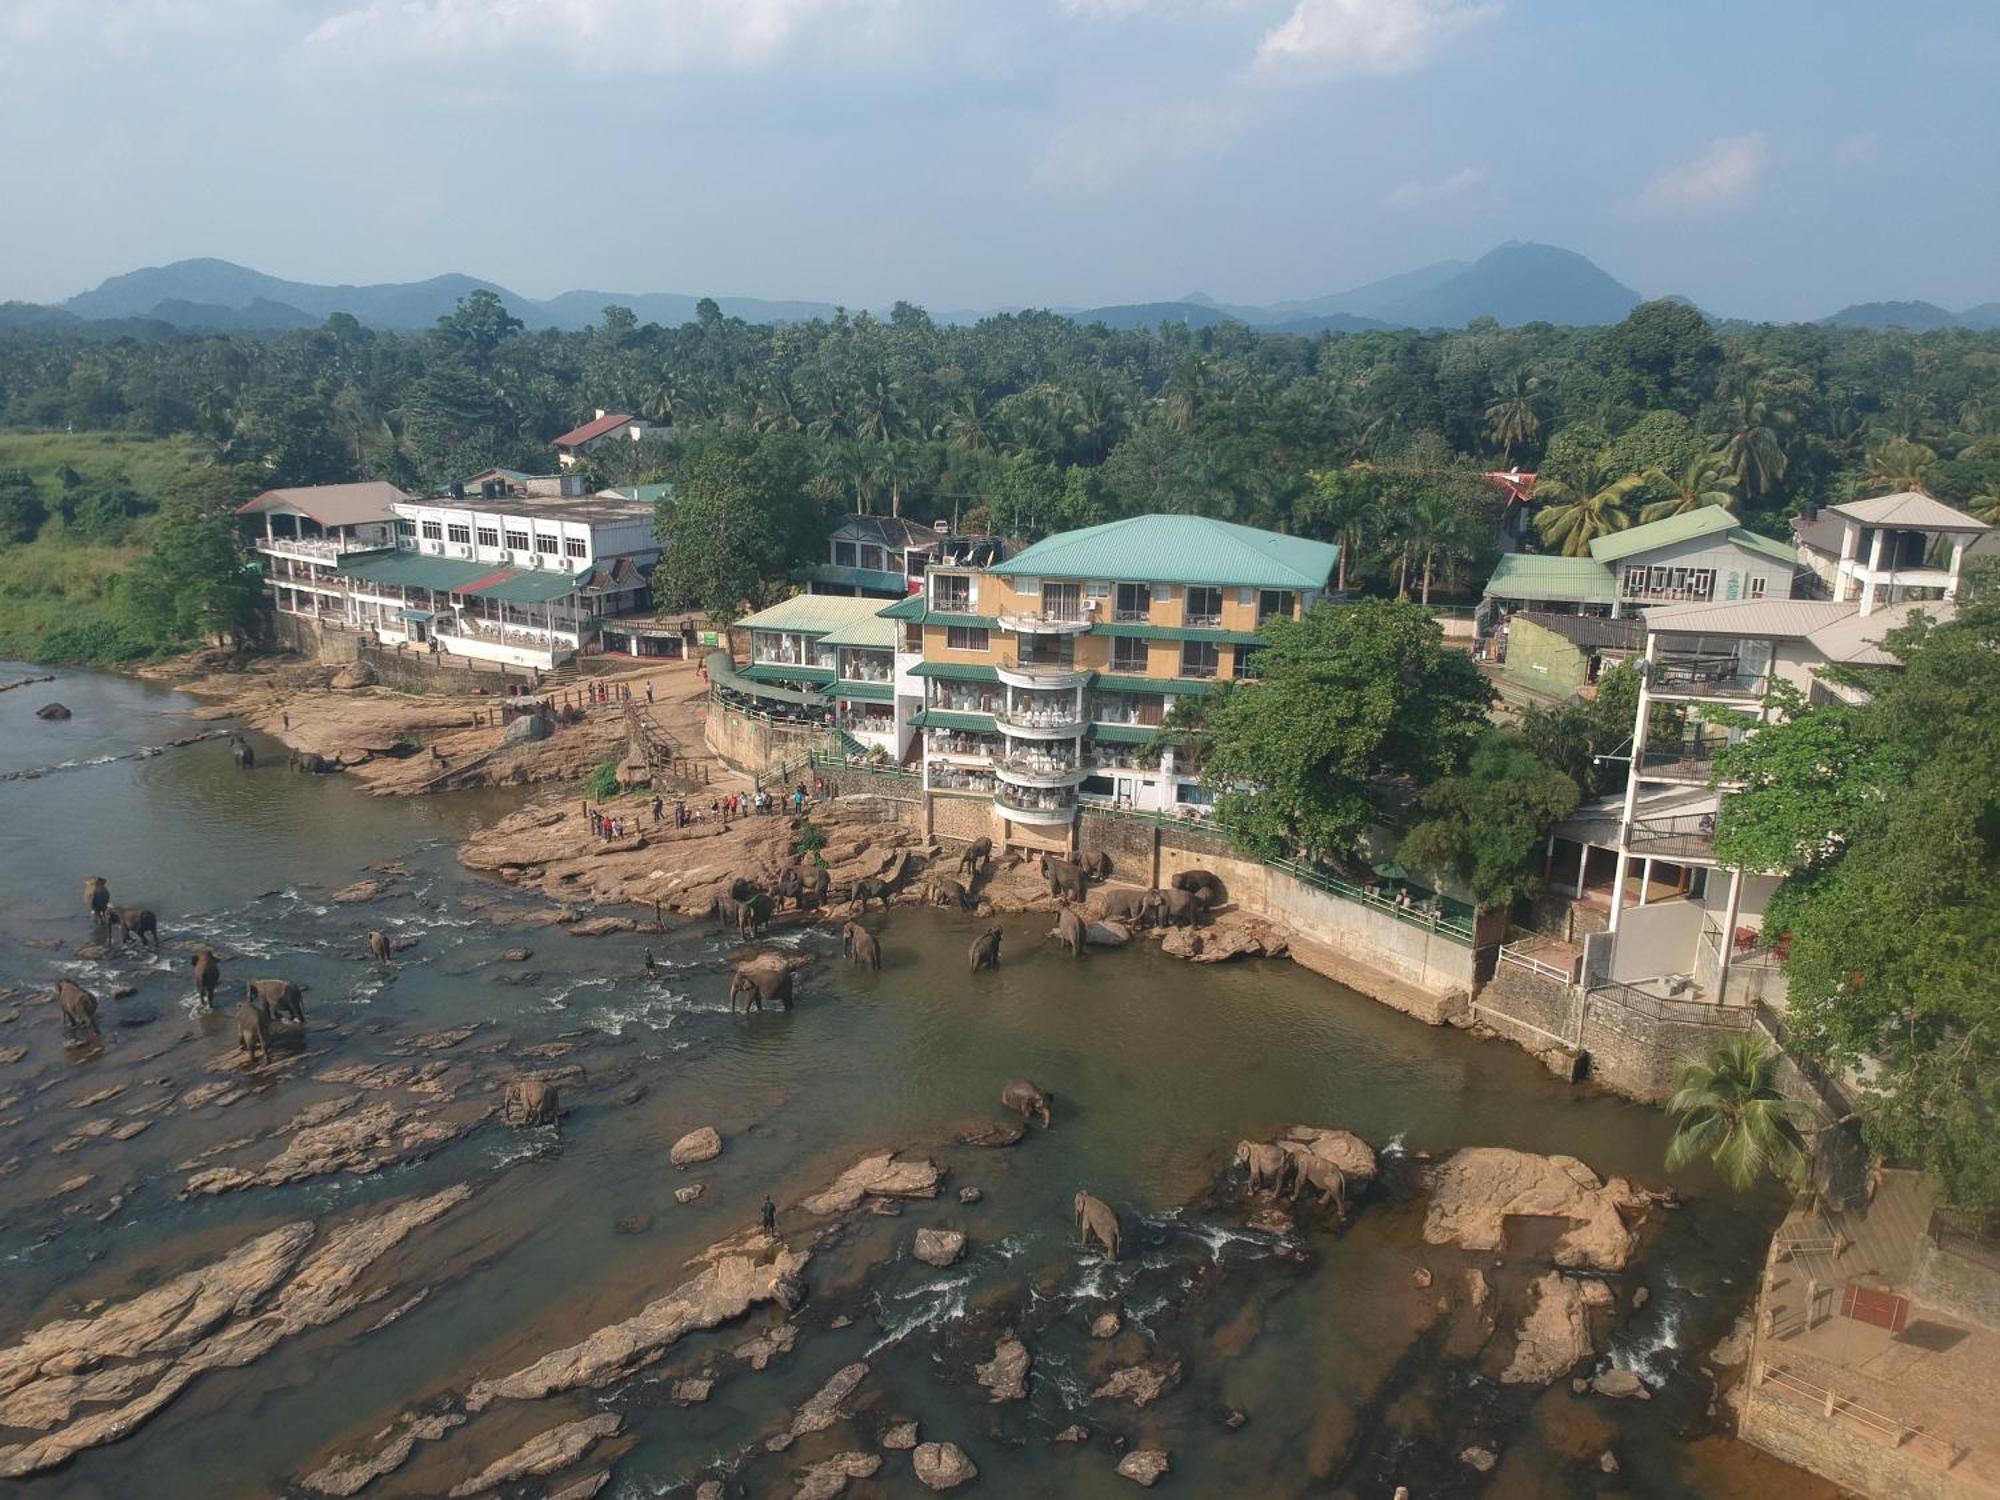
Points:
(1329, 38)
(1419, 194)
(1138, 145)
(1724, 173)
(658, 36)
(1114, 9)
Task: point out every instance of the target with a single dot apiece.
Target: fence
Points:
(1840, 1410)
(1679, 1012)
(1440, 918)
(1522, 956)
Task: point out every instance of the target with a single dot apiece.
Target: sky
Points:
(1767, 158)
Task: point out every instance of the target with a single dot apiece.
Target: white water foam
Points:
(937, 1302)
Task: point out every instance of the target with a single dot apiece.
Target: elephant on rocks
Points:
(530, 1101)
(97, 896)
(1202, 883)
(1095, 1218)
(859, 944)
(1142, 908)
(1070, 930)
(207, 974)
(378, 946)
(948, 892)
(975, 857)
(311, 762)
(869, 888)
(134, 921)
(1321, 1175)
(760, 985)
(253, 1032)
(1180, 908)
(1064, 878)
(278, 999)
(79, 1011)
(742, 888)
(1096, 864)
(813, 885)
(1027, 1099)
(985, 950)
(1268, 1164)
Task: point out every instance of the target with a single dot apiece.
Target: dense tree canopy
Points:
(1486, 826)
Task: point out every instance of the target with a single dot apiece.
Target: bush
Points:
(811, 839)
(603, 783)
(101, 641)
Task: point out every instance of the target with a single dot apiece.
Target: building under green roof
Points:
(1566, 580)
(870, 632)
(881, 581)
(414, 570)
(1178, 549)
(1703, 520)
(814, 614)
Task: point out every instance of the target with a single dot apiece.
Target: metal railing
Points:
(1443, 917)
(1523, 957)
(1690, 836)
(1837, 1409)
(1706, 674)
(1681, 1012)
(1029, 799)
(1029, 667)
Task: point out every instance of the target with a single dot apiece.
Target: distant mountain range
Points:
(1514, 283)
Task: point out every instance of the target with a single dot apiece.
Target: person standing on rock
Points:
(767, 1214)
(649, 690)
(659, 806)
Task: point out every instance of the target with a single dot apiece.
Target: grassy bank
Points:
(152, 466)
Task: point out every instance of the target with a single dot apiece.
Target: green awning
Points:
(912, 608)
(917, 610)
(1186, 686)
(874, 692)
(722, 672)
(525, 586)
(1124, 734)
(765, 672)
(940, 718)
(413, 570)
(860, 578)
(955, 671)
(1180, 633)
(977, 622)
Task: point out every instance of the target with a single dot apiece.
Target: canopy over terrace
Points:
(532, 607)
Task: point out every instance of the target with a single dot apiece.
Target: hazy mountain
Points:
(1381, 301)
(1917, 317)
(1326, 323)
(1152, 314)
(1985, 316)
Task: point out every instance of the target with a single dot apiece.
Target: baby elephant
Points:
(1095, 1218)
(253, 1032)
(1267, 1164)
(1027, 1099)
(378, 946)
(207, 974)
(79, 1011)
(859, 944)
(985, 950)
(948, 892)
(1322, 1176)
(530, 1101)
(134, 921)
(278, 999)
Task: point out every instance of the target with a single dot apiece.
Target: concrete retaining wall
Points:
(1955, 1284)
(309, 638)
(1529, 1009)
(753, 746)
(1856, 1462)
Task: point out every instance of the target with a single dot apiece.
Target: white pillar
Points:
(1957, 559)
(1730, 908)
(1874, 567)
(1645, 879)
(1850, 538)
(1640, 716)
(1618, 886)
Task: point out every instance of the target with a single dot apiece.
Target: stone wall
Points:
(309, 638)
(756, 747)
(1637, 1054)
(424, 672)
(1851, 1459)
(1532, 1010)
(960, 820)
(1957, 1283)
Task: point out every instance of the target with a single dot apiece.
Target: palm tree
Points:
(1511, 416)
(894, 469)
(1728, 1108)
(1899, 464)
(1701, 481)
(1185, 391)
(879, 409)
(1752, 450)
(969, 428)
(1986, 506)
(1342, 505)
(1433, 525)
(1575, 517)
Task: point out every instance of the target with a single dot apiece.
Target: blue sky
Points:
(1773, 158)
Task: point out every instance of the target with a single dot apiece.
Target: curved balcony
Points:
(1041, 771)
(1040, 723)
(1042, 624)
(1024, 805)
(1046, 676)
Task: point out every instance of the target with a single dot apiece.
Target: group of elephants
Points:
(267, 1004)
(1095, 1219)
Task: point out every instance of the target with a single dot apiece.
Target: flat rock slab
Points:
(1554, 1336)
(990, 1133)
(882, 1175)
(1144, 1466)
(1342, 1149)
(1140, 1384)
(938, 1247)
(391, 1448)
(1005, 1376)
(824, 1407)
(825, 1480)
(700, 1145)
(1476, 1190)
(544, 1453)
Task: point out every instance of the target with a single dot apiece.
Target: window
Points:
(573, 546)
(1664, 582)
(1204, 607)
(433, 531)
(1062, 601)
(546, 545)
(951, 593)
(966, 637)
(458, 532)
(1199, 658)
(1127, 655)
(1756, 588)
(871, 558)
(406, 528)
(1243, 665)
(517, 541)
(489, 536)
(1134, 602)
(1274, 602)
(843, 554)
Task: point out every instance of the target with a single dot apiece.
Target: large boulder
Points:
(1476, 1191)
(52, 711)
(1006, 1374)
(938, 1247)
(1554, 1336)
(942, 1466)
(696, 1146)
(1354, 1157)
(1144, 1466)
(883, 1175)
(355, 674)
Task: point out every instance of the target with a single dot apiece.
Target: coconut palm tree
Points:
(1342, 506)
(1574, 518)
(1511, 416)
(1986, 506)
(969, 428)
(1728, 1108)
(1701, 481)
(1753, 451)
(1434, 526)
(1899, 464)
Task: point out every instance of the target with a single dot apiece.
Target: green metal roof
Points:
(645, 494)
(1180, 633)
(1177, 549)
(1111, 683)
(526, 586)
(768, 672)
(957, 672)
(413, 570)
(977, 622)
(869, 633)
(862, 578)
(874, 692)
(1704, 520)
(1124, 734)
(812, 614)
(912, 608)
(1765, 546)
(1571, 580)
(941, 718)
(722, 672)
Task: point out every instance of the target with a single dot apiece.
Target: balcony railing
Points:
(1198, 669)
(1700, 674)
(965, 745)
(965, 703)
(1202, 622)
(317, 548)
(1688, 836)
(1054, 770)
(1030, 799)
(949, 603)
(1132, 616)
(955, 779)
(1690, 760)
(1043, 718)
(1052, 671)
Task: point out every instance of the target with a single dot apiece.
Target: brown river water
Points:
(1351, 1381)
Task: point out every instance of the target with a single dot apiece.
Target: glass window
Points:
(573, 546)
(1756, 588)
(546, 545)
(1204, 606)
(1243, 665)
(489, 536)
(1135, 601)
(1275, 602)
(458, 533)
(517, 540)
(406, 528)
(843, 554)
(1199, 658)
(966, 637)
(1127, 654)
(951, 593)
(871, 558)
(433, 530)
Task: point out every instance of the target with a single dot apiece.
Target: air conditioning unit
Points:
(465, 552)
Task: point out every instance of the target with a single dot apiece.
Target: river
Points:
(1349, 1384)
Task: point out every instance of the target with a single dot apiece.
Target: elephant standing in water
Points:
(530, 1101)
(278, 999)
(207, 974)
(975, 858)
(97, 896)
(253, 1031)
(378, 946)
(859, 944)
(1069, 930)
(79, 1011)
(985, 950)
(134, 921)
(1094, 1217)
(1267, 1163)
(1027, 1099)
(246, 758)
(760, 985)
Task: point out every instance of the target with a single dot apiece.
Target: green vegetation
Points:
(739, 521)
(602, 784)
(1486, 825)
(810, 840)
(1729, 1109)
(1885, 818)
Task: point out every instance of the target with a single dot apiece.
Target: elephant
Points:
(278, 999)
(869, 888)
(253, 1031)
(1027, 1099)
(310, 762)
(975, 857)
(1069, 930)
(1142, 907)
(789, 888)
(859, 944)
(97, 896)
(742, 888)
(378, 946)
(79, 1010)
(530, 1101)
(759, 985)
(1202, 884)
(948, 892)
(1180, 908)
(246, 758)
(748, 917)
(1094, 1217)
(813, 885)
(1064, 878)
(1321, 1175)
(985, 950)
(1097, 865)
(134, 921)
(207, 974)
(1268, 1164)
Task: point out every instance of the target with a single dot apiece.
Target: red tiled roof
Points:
(576, 437)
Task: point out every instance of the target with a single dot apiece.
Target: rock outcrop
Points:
(1005, 1376)
(387, 1451)
(1144, 1466)
(1343, 1149)
(824, 1407)
(696, 1146)
(938, 1247)
(1475, 1191)
(1554, 1335)
(825, 1480)
(881, 1176)
(942, 1466)
(1140, 1384)
(360, 1141)
(544, 1453)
